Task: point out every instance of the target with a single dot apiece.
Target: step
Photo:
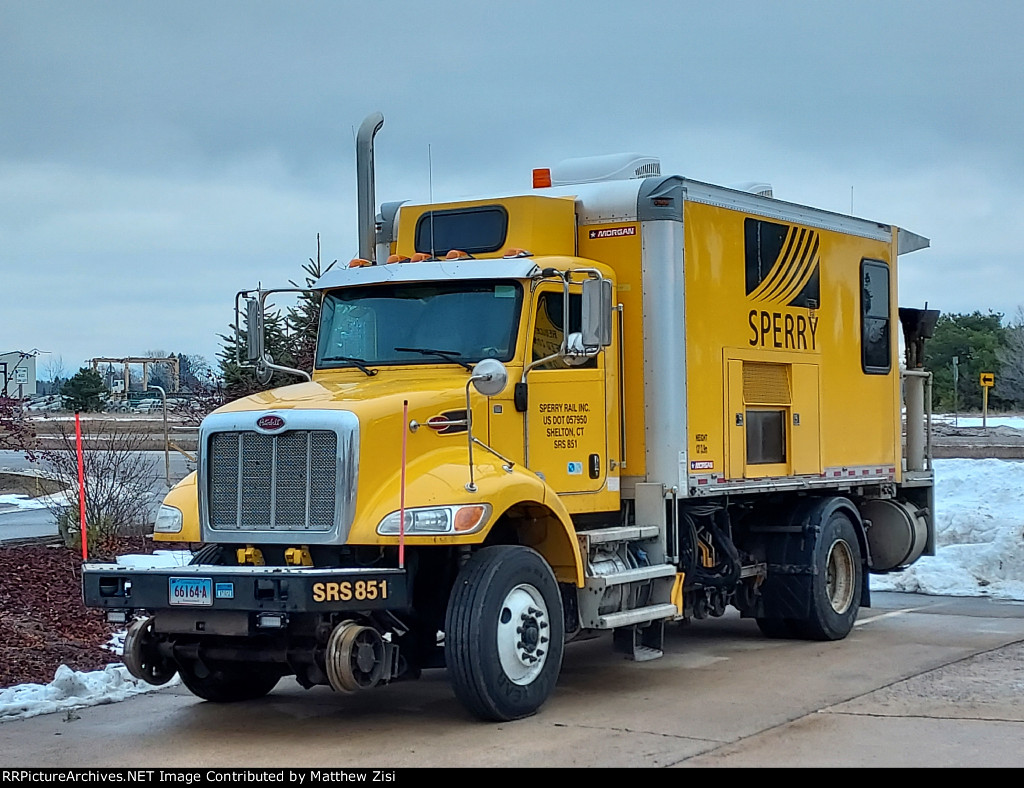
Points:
(619, 533)
(638, 615)
(631, 576)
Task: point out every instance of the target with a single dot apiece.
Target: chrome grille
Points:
(285, 482)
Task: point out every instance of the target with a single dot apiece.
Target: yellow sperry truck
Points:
(619, 400)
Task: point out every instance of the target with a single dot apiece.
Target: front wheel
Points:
(228, 684)
(504, 633)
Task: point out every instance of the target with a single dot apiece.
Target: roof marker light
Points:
(397, 258)
(358, 262)
(419, 257)
(510, 253)
(457, 254)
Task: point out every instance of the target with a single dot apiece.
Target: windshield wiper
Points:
(355, 362)
(447, 355)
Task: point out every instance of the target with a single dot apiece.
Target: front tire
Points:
(228, 684)
(504, 633)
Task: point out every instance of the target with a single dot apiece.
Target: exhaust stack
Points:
(366, 199)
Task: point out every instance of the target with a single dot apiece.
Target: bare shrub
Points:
(16, 429)
(118, 480)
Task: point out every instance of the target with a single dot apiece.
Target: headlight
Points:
(168, 520)
(438, 520)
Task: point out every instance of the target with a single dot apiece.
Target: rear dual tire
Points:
(835, 588)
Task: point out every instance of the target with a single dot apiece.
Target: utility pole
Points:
(956, 378)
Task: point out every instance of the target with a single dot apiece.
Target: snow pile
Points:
(42, 502)
(159, 558)
(979, 534)
(72, 690)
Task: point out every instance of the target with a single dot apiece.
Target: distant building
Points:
(17, 374)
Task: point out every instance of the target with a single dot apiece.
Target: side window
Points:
(549, 328)
(875, 334)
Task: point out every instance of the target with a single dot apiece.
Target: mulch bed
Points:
(43, 622)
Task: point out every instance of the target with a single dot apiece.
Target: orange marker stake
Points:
(81, 486)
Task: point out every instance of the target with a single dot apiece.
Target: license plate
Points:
(190, 591)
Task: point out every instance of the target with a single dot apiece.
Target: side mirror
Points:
(597, 312)
(253, 330)
(489, 377)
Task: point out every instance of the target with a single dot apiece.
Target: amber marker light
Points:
(396, 258)
(358, 262)
(541, 178)
(468, 517)
(419, 257)
(456, 254)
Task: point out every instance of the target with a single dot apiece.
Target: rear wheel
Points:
(778, 627)
(504, 633)
(836, 583)
(228, 684)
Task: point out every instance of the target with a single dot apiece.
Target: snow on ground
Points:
(71, 690)
(980, 540)
(15, 501)
(1017, 422)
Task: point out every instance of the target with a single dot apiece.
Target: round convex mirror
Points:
(490, 377)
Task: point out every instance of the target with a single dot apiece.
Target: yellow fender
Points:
(184, 496)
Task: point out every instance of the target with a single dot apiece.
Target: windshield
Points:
(419, 323)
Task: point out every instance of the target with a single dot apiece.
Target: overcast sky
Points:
(155, 157)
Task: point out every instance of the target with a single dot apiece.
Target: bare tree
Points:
(17, 432)
(1010, 380)
(118, 481)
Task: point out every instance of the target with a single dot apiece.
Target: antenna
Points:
(851, 201)
(430, 189)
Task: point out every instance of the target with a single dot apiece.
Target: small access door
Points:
(772, 419)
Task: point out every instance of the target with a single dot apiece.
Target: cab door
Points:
(566, 430)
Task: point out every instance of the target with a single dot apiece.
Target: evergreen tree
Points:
(84, 391)
(240, 381)
(976, 340)
(304, 318)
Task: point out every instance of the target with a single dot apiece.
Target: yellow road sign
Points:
(988, 379)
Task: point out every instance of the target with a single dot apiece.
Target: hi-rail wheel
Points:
(504, 633)
(355, 657)
(140, 655)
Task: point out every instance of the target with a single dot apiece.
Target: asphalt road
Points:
(921, 681)
(25, 523)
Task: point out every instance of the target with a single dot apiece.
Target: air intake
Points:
(614, 167)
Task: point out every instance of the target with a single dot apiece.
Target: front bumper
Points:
(254, 589)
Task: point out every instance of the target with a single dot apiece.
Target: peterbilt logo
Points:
(269, 423)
